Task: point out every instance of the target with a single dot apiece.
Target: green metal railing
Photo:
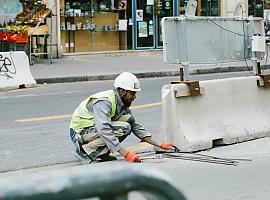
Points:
(112, 182)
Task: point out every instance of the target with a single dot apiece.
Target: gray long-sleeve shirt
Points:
(102, 109)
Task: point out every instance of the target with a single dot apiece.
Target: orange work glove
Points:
(132, 157)
(167, 146)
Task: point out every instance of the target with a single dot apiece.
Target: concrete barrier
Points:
(229, 111)
(15, 70)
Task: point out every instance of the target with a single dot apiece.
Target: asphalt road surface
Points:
(34, 136)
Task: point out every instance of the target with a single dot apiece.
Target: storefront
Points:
(93, 25)
(112, 25)
(148, 14)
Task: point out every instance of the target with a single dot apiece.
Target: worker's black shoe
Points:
(106, 157)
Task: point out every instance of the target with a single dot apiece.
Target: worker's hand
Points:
(167, 146)
(132, 157)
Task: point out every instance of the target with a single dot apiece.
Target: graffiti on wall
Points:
(7, 67)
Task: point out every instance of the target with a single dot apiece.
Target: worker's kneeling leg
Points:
(93, 144)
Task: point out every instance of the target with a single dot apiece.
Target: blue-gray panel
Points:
(209, 39)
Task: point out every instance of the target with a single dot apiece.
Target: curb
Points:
(113, 53)
(142, 75)
(103, 77)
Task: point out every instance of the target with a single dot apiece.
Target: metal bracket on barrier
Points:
(264, 81)
(194, 89)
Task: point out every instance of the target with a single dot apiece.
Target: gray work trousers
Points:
(92, 144)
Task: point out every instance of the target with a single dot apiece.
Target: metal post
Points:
(254, 63)
(186, 70)
(181, 74)
(259, 67)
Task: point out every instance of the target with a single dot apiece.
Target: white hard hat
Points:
(127, 81)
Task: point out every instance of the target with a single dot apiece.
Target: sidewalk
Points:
(106, 66)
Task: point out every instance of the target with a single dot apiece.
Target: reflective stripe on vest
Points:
(83, 118)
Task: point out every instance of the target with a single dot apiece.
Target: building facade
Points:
(112, 25)
(82, 26)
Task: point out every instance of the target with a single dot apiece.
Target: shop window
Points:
(209, 7)
(204, 7)
(255, 8)
(93, 25)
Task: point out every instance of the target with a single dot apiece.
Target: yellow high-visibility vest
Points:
(83, 118)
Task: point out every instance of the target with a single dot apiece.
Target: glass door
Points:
(148, 15)
(164, 8)
(144, 23)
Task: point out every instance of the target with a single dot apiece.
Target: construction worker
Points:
(103, 120)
